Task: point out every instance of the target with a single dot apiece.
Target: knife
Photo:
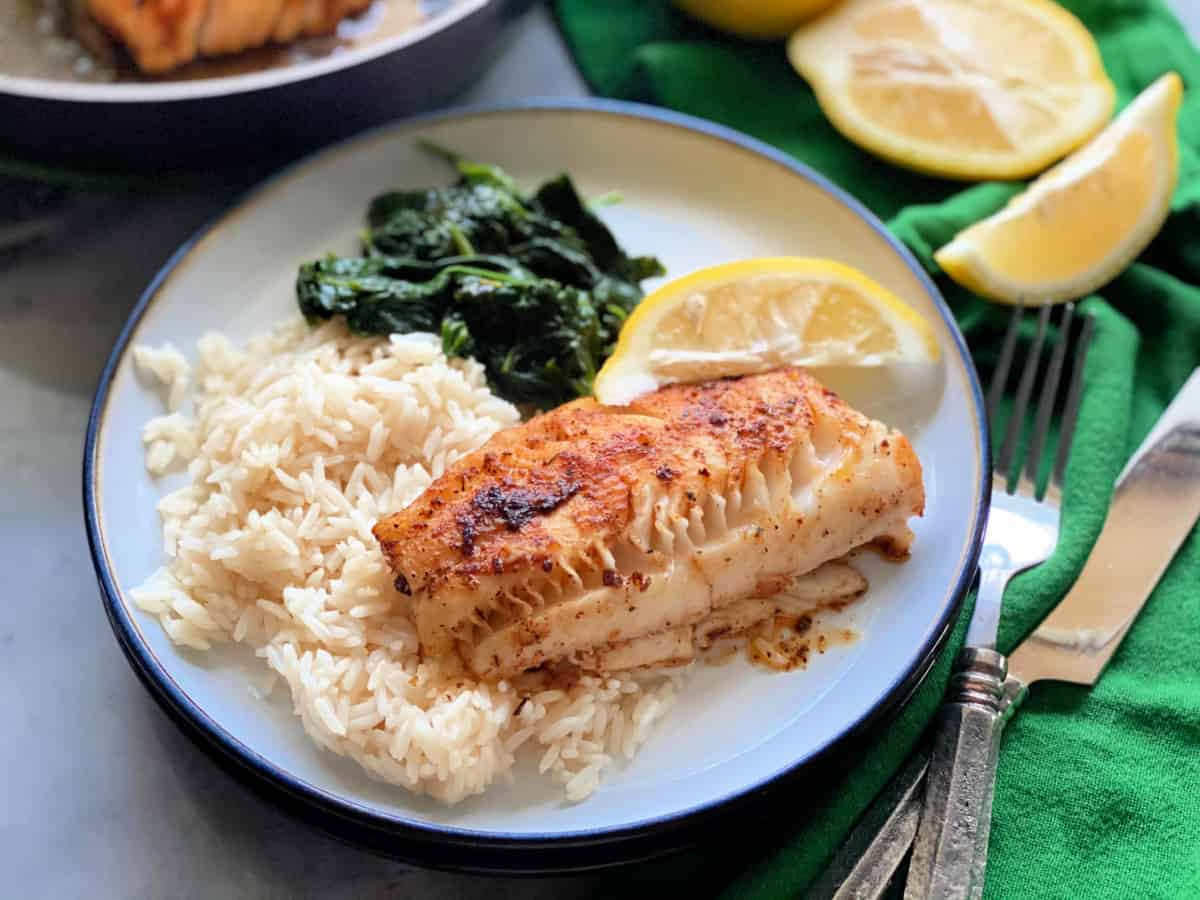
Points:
(1155, 505)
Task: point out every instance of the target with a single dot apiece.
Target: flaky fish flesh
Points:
(613, 537)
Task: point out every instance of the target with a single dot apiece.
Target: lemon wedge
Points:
(757, 315)
(754, 19)
(1077, 226)
(959, 88)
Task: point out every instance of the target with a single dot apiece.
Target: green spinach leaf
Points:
(533, 286)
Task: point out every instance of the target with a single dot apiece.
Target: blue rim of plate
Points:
(419, 841)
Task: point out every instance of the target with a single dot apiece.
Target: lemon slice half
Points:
(757, 315)
(1077, 226)
(959, 88)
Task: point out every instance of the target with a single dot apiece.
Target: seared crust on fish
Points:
(164, 34)
(590, 527)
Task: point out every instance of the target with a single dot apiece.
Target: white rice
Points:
(169, 368)
(298, 444)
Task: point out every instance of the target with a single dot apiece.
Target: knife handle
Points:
(950, 851)
(867, 861)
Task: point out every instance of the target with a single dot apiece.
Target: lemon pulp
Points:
(959, 88)
(1079, 224)
(758, 315)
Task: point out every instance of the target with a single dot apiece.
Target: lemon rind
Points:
(918, 339)
(962, 260)
(828, 82)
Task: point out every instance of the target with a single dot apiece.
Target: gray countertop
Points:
(103, 797)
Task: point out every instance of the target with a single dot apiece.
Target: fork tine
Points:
(1045, 406)
(1071, 411)
(1024, 389)
(1000, 375)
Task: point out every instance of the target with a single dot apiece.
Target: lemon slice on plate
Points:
(959, 88)
(1078, 225)
(758, 315)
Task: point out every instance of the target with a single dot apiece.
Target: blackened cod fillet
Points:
(591, 530)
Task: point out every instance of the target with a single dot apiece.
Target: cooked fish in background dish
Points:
(616, 537)
(163, 34)
(82, 40)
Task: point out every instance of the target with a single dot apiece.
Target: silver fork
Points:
(950, 851)
(1022, 528)
(951, 831)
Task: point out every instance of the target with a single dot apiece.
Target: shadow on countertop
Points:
(74, 265)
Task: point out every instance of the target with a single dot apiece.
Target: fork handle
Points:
(950, 851)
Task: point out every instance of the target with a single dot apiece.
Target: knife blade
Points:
(1154, 507)
(1159, 489)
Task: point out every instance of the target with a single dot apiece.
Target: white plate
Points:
(694, 194)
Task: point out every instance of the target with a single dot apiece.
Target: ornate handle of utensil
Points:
(867, 861)
(951, 845)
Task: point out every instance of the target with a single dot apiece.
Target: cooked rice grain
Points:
(167, 366)
(299, 443)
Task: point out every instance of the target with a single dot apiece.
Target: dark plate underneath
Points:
(254, 127)
(737, 829)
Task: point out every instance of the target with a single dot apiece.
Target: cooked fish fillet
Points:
(164, 34)
(159, 34)
(235, 25)
(589, 527)
(830, 584)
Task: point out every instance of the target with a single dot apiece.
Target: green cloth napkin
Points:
(1098, 792)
